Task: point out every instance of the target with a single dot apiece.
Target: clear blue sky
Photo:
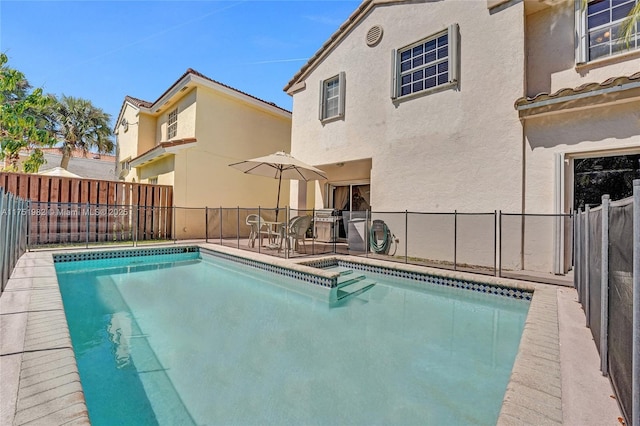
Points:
(104, 50)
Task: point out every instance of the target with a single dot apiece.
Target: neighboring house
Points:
(89, 165)
(188, 137)
(412, 103)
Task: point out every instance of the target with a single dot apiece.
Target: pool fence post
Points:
(238, 227)
(586, 262)
(367, 234)
(220, 225)
(259, 225)
(576, 251)
(15, 246)
(5, 247)
(28, 215)
(134, 234)
(604, 287)
(206, 224)
(455, 240)
(12, 232)
(495, 243)
(313, 231)
(286, 232)
(86, 236)
(500, 243)
(406, 236)
(635, 362)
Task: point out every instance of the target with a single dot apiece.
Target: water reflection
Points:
(119, 329)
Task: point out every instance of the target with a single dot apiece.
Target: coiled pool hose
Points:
(383, 246)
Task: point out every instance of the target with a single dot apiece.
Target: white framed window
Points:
(599, 27)
(428, 64)
(153, 180)
(126, 164)
(172, 124)
(332, 92)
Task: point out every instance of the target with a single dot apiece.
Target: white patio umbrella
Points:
(280, 166)
(58, 171)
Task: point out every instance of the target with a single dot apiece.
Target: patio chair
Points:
(296, 232)
(258, 228)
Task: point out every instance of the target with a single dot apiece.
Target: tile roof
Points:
(583, 89)
(79, 153)
(190, 71)
(164, 145)
(137, 102)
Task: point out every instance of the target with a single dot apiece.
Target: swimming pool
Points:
(192, 339)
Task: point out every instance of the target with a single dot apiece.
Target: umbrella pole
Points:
(278, 200)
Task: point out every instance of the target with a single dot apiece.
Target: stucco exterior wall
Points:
(454, 149)
(574, 134)
(128, 140)
(551, 64)
(228, 131)
(146, 132)
(162, 169)
(186, 118)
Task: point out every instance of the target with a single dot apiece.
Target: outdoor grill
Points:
(326, 226)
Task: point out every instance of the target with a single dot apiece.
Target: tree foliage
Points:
(22, 123)
(81, 125)
(597, 176)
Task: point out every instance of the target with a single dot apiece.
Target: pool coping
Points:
(41, 381)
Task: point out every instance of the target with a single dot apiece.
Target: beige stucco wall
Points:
(146, 132)
(586, 132)
(139, 137)
(186, 106)
(228, 130)
(455, 149)
(128, 141)
(602, 130)
(551, 54)
(592, 132)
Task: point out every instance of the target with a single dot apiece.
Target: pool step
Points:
(349, 278)
(354, 286)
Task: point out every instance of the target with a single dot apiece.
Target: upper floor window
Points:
(427, 64)
(600, 27)
(172, 124)
(332, 97)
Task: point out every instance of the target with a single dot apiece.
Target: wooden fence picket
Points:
(70, 209)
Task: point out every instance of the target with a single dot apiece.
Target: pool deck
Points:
(555, 379)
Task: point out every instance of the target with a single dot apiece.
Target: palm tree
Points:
(629, 24)
(81, 125)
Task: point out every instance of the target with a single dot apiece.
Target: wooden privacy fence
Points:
(74, 210)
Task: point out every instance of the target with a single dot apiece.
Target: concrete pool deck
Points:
(555, 379)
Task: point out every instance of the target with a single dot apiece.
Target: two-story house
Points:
(188, 137)
(475, 106)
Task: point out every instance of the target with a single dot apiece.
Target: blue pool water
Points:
(193, 339)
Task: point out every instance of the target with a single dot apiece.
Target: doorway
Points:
(596, 176)
(346, 199)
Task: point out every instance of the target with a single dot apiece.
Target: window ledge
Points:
(332, 119)
(442, 87)
(601, 62)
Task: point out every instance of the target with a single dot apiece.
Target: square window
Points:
(601, 34)
(426, 64)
